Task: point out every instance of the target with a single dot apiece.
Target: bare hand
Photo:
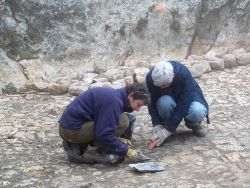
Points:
(161, 8)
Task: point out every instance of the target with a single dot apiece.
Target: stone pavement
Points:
(31, 154)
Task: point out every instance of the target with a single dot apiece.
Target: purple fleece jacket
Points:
(103, 106)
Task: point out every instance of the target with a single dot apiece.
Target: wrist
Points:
(166, 132)
(166, 127)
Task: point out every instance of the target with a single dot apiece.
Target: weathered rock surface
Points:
(112, 32)
(61, 46)
(12, 78)
(31, 153)
(53, 40)
(57, 78)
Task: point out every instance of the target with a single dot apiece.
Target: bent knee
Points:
(197, 112)
(165, 102)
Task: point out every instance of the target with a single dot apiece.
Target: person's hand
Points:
(157, 128)
(132, 155)
(136, 156)
(153, 140)
(161, 8)
(159, 134)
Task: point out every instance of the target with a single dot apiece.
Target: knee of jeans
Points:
(165, 103)
(197, 114)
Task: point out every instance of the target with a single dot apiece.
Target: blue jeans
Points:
(196, 112)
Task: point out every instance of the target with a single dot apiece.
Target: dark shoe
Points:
(78, 153)
(198, 131)
(75, 153)
(195, 127)
(81, 159)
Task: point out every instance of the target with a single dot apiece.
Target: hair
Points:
(163, 72)
(140, 92)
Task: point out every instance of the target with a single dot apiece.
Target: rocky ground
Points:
(31, 153)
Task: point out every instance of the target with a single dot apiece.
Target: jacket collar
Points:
(124, 96)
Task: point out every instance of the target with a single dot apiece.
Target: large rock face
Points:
(49, 41)
(110, 32)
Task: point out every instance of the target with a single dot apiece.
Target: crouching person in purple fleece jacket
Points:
(98, 117)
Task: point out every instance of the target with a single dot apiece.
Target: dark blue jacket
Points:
(184, 89)
(103, 106)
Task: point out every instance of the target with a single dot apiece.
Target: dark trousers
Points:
(86, 133)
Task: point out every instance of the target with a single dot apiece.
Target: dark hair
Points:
(140, 92)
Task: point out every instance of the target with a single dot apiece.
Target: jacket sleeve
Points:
(183, 102)
(106, 122)
(152, 109)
